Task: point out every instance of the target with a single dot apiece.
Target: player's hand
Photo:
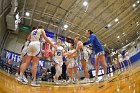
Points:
(55, 47)
(68, 56)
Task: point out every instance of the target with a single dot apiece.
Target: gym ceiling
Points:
(115, 22)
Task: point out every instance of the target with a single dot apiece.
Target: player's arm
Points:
(46, 38)
(79, 45)
(53, 51)
(89, 41)
(29, 37)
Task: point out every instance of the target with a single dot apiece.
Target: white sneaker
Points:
(56, 82)
(85, 80)
(95, 79)
(76, 81)
(35, 84)
(20, 79)
(104, 78)
(16, 74)
(69, 81)
(24, 78)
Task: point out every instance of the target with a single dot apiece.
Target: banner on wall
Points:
(13, 56)
(16, 57)
(62, 38)
(69, 40)
(50, 34)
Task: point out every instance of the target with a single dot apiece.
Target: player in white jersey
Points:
(72, 65)
(127, 58)
(83, 57)
(33, 54)
(57, 59)
(120, 58)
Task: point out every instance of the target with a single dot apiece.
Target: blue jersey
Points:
(96, 45)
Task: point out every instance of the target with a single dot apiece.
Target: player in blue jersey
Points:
(99, 54)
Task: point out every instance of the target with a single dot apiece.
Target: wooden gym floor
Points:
(126, 82)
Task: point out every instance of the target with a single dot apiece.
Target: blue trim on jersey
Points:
(25, 54)
(64, 58)
(38, 53)
(96, 45)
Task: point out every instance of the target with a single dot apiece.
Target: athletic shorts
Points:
(72, 62)
(24, 52)
(34, 49)
(57, 61)
(83, 55)
(99, 53)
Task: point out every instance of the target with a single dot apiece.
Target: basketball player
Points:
(99, 54)
(120, 58)
(127, 58)
(83, 57)
(57, 58)
(33, 54)
(72, 65)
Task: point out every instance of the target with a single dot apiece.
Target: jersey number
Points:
(58, 53)
(34, 32)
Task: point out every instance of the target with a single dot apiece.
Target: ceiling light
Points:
(109, 25)
(133, 43)
(118, 36)
(137, 23)
(85, 3)
(27, 14)
(66, 26)
(134, 5)
(138, 2)
(116, 20)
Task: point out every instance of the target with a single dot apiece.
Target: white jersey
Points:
(58, 55)
(70, 59)
(34, 48)
(35, 35)
(120, 58)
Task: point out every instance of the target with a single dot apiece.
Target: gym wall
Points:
(4, 10)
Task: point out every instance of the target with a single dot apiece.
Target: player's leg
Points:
(34, 70)
(104, 65)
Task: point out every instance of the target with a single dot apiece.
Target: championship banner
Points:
(50, 34)
(62, 38)
(13, 56)
(69, 40)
